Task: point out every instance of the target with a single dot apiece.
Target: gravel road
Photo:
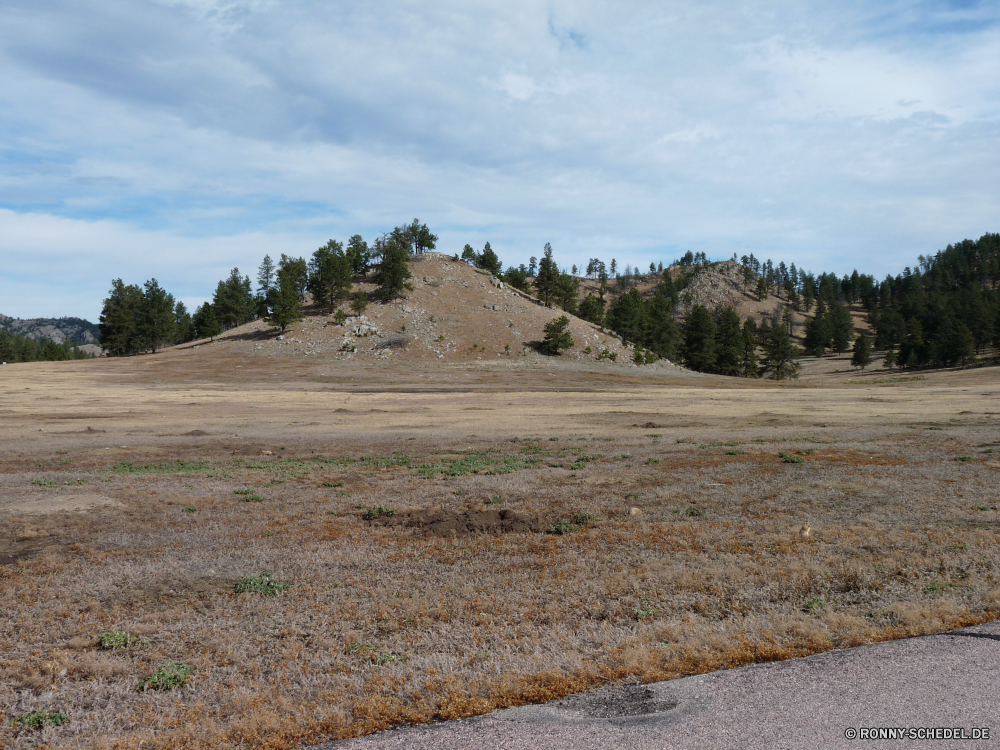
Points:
(940, 681)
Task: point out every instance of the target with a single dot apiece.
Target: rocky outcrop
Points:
(60, 330)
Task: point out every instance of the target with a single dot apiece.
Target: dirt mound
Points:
(461, 523)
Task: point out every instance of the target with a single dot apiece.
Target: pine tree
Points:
(120, 320)
(592, 309)
(547, 280)
(393, 272)
(286, 302)
(780, 358)
(358, 255)
(206, 322)
(862, 356)
(698, 333)
(749, 367)
(182, 323)
(156, 315)
(557, 336)
(890, 358)
(628, 317)
(329, 274)
(488, 260)
(728, 341)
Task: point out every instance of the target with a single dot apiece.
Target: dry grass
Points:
(385, 624)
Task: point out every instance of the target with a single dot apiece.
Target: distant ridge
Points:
(61, 330)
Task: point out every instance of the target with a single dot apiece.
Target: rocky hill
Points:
(61, 330)
(454, 314)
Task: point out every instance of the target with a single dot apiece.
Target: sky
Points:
(178, 139)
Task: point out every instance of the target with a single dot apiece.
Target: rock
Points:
(635, 512)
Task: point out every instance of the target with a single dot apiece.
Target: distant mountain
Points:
(61, 330)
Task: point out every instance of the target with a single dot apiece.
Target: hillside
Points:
(61, 330)
(455, 313)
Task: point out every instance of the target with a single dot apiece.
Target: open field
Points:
(134, 494)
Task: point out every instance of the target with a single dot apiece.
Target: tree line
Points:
(137, 319)
(16, 348)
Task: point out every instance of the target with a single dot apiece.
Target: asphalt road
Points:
(949, 681)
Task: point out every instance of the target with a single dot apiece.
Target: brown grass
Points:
(385, 623)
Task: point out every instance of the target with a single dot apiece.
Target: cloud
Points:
(836, 135)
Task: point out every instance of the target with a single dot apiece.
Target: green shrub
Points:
(788, 458)
(39, 719)
(813, 604)
(264, 584)
(694, 511)
(112, 639)
(608, 354)
(562, 527)
(377, 512)
(167, 677)
(736, 453)
(582, 519)
(965, 459)
(249, 496)
(190, 509)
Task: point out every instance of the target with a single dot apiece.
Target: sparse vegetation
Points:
(115, 639)
(264, 584)
(169, 676)
(378, 512)
(40, 719)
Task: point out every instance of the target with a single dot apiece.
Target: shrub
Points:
(582, 519)
(694, 511)
(562, 527)
(557, 336)
(112, 639)
(965, 459)
(377, 512)
(39, 719)
(265, 584)
(393, 341)
(190, 509)
(249, 496)
(608, 354)
(812, 604)
(788, 458)
(360, 303)
(340, 317)
(167, 677)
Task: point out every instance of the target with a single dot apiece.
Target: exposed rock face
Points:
(60, 330)
(719, 284)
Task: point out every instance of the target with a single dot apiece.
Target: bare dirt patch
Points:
(54, 503)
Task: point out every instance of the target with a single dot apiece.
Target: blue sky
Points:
(181, 138)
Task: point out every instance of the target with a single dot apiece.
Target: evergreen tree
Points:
(265, 277)
(780, 359)
(698, 334)
(488, 260)
(329, 275)
(557, 336)
(416, 237)
(628, 317)
(547, 280)
(728, 341)
(156, 315)
(393, 272)
(469, 253)
(748, 359)
(568, 292)
(890, 358)
(592, 309)
(663, 335)
(234, 301)
(206, 322)
(183, 330)
(297, 270)
(517, 278)
(358, 255)
(862, 356)
(841, 328)
(120, 320)
(286, 301)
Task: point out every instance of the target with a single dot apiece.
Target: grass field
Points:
(217, 519)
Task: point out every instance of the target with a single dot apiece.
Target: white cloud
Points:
(834, 135)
